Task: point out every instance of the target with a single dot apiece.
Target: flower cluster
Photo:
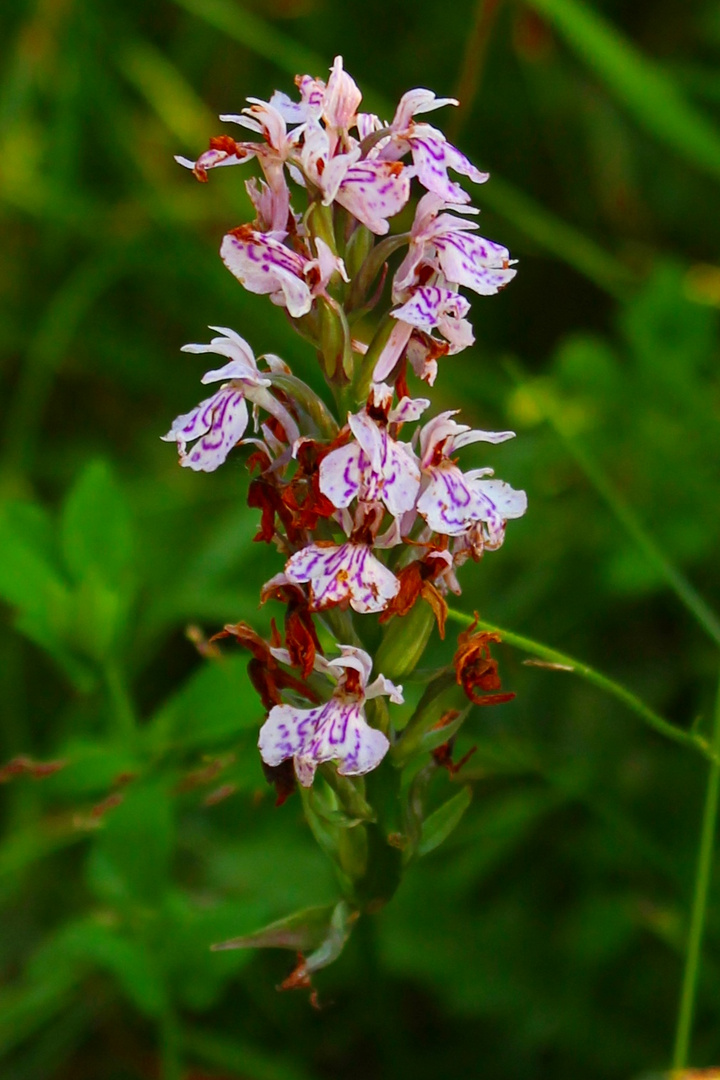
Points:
(375, 510)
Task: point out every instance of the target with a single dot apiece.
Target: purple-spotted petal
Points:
(338, 574)
(374, 468)
(433, 156)
(428, 305)
(498, 498)
(408, 410)
(374, 191)
(470, 260)
(448, 503)
(217, 424)
(265, 266)
(287, 731)
(340, 475)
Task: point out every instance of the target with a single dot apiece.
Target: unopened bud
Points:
(404, 641)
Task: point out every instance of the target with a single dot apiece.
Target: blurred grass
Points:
(545, 938)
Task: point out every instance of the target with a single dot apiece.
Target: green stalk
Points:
(120, 701)
(699, 906)
(614, 689)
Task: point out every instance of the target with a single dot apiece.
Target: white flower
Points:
(336, 731)
(219, 422)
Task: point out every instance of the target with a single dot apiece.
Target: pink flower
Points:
(342, 574)
(441, 241)
(375, 467)
(451, 500)
(429, 307)
(336, 731)
(217, 424)
(432, 154)
(264, 265)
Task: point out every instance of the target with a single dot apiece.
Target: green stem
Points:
(122, 706)
(614, 689)
(699, 906)
(632, 525)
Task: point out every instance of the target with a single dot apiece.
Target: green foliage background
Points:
(545, 939)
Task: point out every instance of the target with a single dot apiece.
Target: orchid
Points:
(375, 467)
(219, 422)
(336, 731)
(440, 241)
(342, 574)
(428, 308)
(371, 517)
(266, 266)
(451, 500)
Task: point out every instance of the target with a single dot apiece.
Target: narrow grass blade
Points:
(653, 97)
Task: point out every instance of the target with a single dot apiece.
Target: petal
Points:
(433, 156)
(342, 97)
(305, 769)
(337, 574)
(408, 409)
(218, 422)
(401, 478)
(474, 263)
(374, 586)
(374, 191)
(383, 686)
(466, 436)
(328, 263)
(458, 332)
(391, 353)
(345, 736)
(503, 500)
(355, 658)
(448, 503)
(264, 265)
(371, 438)
(236, 369)
(271, 121)
(417, 101)
(287, 731)
(428, 304)
(340, 475)
(363, 748)
(293, 112)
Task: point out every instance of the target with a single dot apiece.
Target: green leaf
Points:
(29, 577)
(31, 582)
(303, 930)
(95, 528)
(437, 827)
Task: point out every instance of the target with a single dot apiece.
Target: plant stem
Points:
(121, 703)
(604, 682)
(697, 918)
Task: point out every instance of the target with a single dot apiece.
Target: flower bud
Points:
(404, 641)
(358, 248)
(335, 344)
